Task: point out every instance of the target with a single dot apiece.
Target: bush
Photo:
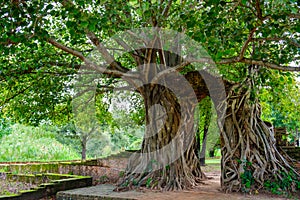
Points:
(289, 184)
(5, 127)
(26, 143)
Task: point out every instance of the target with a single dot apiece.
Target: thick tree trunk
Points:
(167, 160)
(249, 155)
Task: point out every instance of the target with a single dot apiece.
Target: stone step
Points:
(98, 192)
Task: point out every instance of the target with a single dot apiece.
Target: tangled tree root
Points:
(250, 157)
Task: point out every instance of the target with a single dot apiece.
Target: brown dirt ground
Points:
(209, 189)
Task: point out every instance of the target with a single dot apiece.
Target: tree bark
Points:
(198, 142)
(248, 145)
(167, 160)
(83, 147)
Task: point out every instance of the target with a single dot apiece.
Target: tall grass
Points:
(26, 143)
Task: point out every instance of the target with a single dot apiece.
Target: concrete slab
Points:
(210, 190)
(98, 192)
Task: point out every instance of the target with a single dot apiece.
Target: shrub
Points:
(289, 184)
(26, 143)
(5, 127)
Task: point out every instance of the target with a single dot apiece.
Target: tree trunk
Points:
(198, 142)
(297, 138)
(249, 155)
(167, 160)
(205, 119)
(83, 147)
(203, 146)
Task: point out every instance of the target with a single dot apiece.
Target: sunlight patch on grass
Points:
(213, 161)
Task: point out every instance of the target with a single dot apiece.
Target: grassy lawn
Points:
(213, 161)
(212, 165)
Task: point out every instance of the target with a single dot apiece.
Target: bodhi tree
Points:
(172, 71)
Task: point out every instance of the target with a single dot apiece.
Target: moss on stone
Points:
(9, 195)
(27, 191)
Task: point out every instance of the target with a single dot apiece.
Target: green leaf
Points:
(49, 7)
(281, 79)
(84, 24)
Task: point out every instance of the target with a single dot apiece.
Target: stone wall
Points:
(29, 168)
(101, 170)
(58, 183)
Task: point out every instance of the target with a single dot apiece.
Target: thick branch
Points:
(90, 64)
(8, 42)
(177, 68)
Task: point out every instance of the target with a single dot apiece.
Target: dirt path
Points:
(210, 190)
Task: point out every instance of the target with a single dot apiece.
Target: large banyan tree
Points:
(172, 53)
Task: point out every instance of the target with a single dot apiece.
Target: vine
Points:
(284, 184)
(246, 176)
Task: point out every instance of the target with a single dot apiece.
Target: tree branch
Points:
(270, 65)
(102, 49)
(90, 64)
(8, 42)
(136, 56)
(295, 16)
(277, 39)
(166, 9)
(260, 63)
(169, 70)
(258, 9)
(242, 52)
(20, 92)
(66, 49)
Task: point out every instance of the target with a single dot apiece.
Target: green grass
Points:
(27, 143)
(212, 165)
(213, 161)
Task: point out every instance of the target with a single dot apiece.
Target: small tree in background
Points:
(205, 115)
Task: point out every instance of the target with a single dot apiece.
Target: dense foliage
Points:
(258, 32)
(34, 144)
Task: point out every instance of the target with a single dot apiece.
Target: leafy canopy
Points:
(44, 43)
